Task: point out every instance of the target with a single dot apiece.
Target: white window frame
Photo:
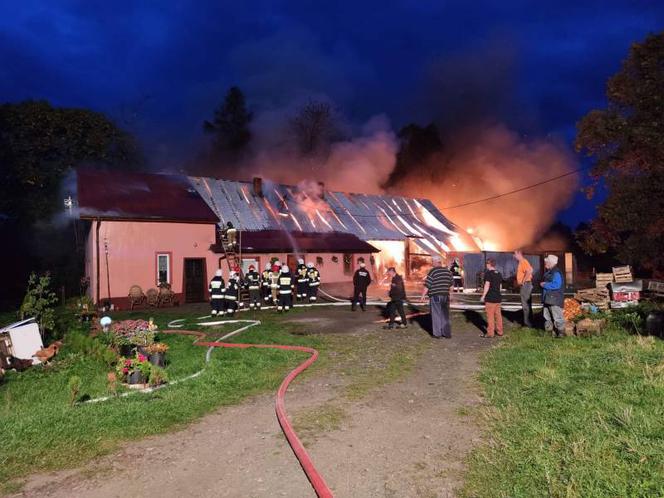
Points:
(168, 267)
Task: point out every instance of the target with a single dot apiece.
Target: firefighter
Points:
(265, 282)
(274, 281)
(216, 289)
(253, 283)
(457, 275)
(361, 281)
(313, 277)
(285, 290)
(240, 286)
(231, 295)
(302, 280)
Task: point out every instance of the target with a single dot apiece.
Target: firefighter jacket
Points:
(397, 289)
(265, 277)
(302, 273)
(361, 279)
(232, 290)
(216, 288)
(313, 275)
(253, 280)
(285, 283)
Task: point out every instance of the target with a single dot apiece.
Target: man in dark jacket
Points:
(361, 281)
(553, 297)
(397, 296)
(253, 282)
(265, 284)
(216, 289)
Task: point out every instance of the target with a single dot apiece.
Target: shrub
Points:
(39, 302)
(74, 385)
(157, 376)
(78, 342)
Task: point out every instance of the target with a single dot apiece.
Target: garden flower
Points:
(142, 357)
(125, 370)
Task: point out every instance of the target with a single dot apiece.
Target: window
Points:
(348, 264)
(163, 268)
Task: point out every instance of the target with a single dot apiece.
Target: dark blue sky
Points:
(160, 67)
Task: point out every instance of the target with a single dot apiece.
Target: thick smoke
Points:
(487, 161)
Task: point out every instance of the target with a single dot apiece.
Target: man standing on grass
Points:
(397, 297)
(361, 281)
(524, 278)
(438, 284)
(491, 297)
(553, 297)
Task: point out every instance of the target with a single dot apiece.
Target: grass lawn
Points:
(571, 417)
(40, 431)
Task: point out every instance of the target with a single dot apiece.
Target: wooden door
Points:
(194, 280)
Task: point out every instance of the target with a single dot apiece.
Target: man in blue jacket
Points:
(553, 297)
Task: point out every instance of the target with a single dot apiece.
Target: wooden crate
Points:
(656, 287)
(603, 279)
(588, 327)
(622, 274)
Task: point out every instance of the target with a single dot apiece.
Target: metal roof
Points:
(369, 217)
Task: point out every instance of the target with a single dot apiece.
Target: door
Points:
(194, 280)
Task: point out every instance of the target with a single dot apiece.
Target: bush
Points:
(74, 385)
(78, 342)
(39, 302)
(633, 319)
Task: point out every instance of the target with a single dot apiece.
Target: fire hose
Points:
(315, 478)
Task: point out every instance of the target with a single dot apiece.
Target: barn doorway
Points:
(194, 280)
(291, 262)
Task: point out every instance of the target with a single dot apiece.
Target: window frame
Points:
(169, 267)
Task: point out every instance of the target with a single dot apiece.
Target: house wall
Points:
(132, 255)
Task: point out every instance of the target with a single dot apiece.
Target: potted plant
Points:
(157, 376)
(134, 370)
(157, 353)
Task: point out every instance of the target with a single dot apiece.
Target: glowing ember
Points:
(392, 253)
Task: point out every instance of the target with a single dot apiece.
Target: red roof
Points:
(122, 195)
(283, 241)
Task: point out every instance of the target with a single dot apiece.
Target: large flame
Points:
(392, 253)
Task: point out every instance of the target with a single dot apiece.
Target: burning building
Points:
(149, 229)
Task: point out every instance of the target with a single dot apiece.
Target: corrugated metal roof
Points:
(369, 217)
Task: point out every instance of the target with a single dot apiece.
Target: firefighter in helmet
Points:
(274, 281)
(285, 290)
(253, 283)
(216, 289)
(265, 282)
(232, 290)
(302, 280)
(313, 277)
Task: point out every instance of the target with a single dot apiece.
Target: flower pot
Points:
(135, 378)
(125, 350)
(655, 323)
(142, 350)
(157, 359)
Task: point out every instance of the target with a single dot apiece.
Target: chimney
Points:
(321, 186)
(258, 186)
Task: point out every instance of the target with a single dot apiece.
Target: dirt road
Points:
(408, 437)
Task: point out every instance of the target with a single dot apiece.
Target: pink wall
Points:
(132, 260)
(132, 249)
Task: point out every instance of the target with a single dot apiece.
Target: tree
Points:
(314, 128)
(230, 125)
(40, 143)
(627, 142)
(416, 145)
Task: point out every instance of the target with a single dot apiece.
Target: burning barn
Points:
(151, 229)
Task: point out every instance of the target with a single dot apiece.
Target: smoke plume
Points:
(491, 160)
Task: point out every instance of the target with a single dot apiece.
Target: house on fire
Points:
(145, 229)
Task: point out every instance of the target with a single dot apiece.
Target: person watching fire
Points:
(313, 275)
(491, 297)
(216, 289)
(302, 280)
(397, 297)
(438, 285)
(524, 279)
(361, 281)
(553, 297)
(253, 282)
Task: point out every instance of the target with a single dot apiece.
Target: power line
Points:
(528, 187)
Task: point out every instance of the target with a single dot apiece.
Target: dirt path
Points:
(405, 438)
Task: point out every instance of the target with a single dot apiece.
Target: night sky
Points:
(159, 68)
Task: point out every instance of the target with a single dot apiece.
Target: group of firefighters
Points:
(274, 286)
